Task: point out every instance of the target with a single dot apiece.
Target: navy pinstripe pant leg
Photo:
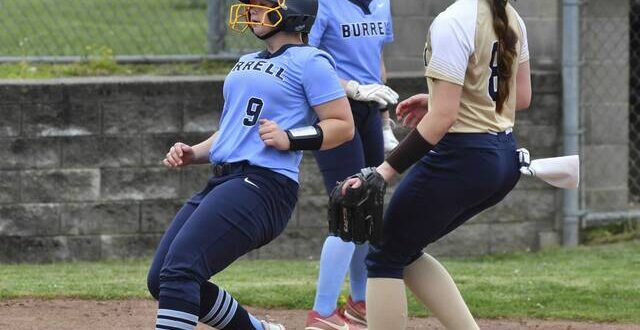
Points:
(233, 215)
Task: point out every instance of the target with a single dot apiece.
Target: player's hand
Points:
(524, 161)
(411, 110)
(273, 136)
(385, 170)
(179, 155)
(380, 94)
(352, 183)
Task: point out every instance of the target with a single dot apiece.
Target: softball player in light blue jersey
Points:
(354, 33)
(278, 102)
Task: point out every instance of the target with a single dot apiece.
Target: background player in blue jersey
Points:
(354, 32)
(272, 100)
(477, 70)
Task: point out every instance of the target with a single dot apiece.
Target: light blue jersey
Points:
(354, 34)
(282, 87)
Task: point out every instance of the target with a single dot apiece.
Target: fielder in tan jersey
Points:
(452, 176)
(474, 35)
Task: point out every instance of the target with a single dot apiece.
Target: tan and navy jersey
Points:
(462, 49)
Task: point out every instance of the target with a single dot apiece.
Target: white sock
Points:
(172, 319)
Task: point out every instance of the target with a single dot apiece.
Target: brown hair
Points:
(507, 39)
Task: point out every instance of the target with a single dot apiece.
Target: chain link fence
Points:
(126, 29)
(610, 106)
(634, 103)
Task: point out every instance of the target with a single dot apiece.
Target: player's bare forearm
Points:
(201, 150)
(387, 172)
(523, 86)
(434, 126)
(445, 100)
(336, 121)
(336, 132)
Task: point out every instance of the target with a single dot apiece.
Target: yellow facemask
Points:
(240, 19)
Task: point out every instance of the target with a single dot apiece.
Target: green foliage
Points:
(103, 64)
(598, 283)
(100, 59)
(617, 232)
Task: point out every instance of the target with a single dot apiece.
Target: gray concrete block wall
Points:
(76, 190)
(412, 19)
(80, 165)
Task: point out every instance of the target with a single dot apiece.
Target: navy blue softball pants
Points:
(235, 213)
(463, 175)
(365, 150)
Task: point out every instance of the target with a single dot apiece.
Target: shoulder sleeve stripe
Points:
(452, 40)
(440, 69)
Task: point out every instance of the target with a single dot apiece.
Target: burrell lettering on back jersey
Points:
(364, 29)
(282, 87)
(462, 49)
(354, 33)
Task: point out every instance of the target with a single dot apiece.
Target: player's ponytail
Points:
(507, 40)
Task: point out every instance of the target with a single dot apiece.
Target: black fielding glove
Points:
(357, 216)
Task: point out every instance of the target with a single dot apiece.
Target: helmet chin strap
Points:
(268, 35)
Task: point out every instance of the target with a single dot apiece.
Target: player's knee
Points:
(178, 273)
(181, 283)
(385, 263)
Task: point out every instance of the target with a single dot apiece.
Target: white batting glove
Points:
(524, 158)
(380, 94)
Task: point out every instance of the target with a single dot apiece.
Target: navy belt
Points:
(221, 169)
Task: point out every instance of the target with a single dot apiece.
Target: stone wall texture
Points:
(81, 178)
(412, 19)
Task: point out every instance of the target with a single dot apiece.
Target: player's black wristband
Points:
(412, 148)
(305, 138)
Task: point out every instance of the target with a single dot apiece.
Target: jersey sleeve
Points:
(389, 28)
(319, 26)
(451, 47)
(524, 43)
(320, 80)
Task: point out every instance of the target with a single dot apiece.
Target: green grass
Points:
(99, 30)
(599, 283)
(79, 27)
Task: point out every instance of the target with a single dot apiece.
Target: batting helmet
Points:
(286, 15)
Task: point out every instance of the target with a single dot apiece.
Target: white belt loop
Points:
(506, 132)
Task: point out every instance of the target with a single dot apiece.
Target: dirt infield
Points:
(69, 314)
